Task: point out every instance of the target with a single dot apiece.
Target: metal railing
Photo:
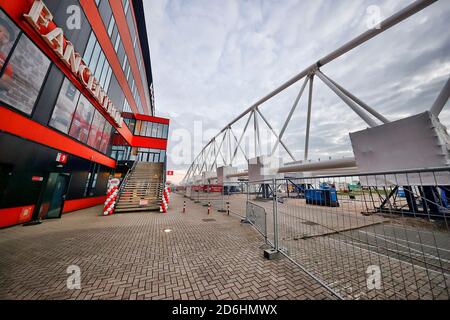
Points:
(379, 235)
(123, 183)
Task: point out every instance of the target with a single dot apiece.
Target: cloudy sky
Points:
(211, 59)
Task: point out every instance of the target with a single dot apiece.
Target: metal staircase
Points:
(141, 189)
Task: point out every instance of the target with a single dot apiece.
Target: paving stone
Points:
(129, 256)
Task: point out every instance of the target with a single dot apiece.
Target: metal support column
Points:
(275, 214)
(308, 117)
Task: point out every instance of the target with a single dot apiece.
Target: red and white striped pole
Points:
(165, 200)
(110, 202)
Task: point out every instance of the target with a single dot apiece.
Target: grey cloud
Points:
(212, 59)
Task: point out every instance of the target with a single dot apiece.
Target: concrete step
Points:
(154, 208)
(136, 205)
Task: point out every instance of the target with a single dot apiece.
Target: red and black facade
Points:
(62, 121)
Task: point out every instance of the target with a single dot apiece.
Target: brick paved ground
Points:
(405, 250)
(129, 256)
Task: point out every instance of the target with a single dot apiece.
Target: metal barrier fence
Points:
(370, 236)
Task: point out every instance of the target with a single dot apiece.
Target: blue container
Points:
(445, 198)
(321, 197)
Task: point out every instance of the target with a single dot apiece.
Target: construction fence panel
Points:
(370, 236)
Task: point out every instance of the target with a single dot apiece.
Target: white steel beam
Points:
(361, 113)
(361, 103)
(308, 116)
(242, 136)
(441, 100)
(276, 135)
(291, 112)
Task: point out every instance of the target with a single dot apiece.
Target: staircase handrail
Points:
(125, 179)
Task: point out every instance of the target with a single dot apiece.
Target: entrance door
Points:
(52, 199)
(57, 200)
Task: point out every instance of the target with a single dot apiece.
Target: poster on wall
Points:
(82, 120)
(8, 32)
(106, 135)
(65, 107)
(23, 76)
(99, 135)
(96, 126)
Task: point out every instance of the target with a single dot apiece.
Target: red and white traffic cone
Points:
(209, 207)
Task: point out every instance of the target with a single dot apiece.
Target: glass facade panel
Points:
(150, 125)
(8, 35)
(89, 48)
(23, 76)
(106, 136)
(95, 56)
(96, 131)
(111, 26)
(82, 120)
(65, 107)
(154, 130)
(165, 131)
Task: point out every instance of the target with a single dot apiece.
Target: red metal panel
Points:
(146, 142)
(12, 216)
(94, 18)
(77, 204)
(145, 117)
(121, 21)
(152, 119)
(24, 127)
(16, 9)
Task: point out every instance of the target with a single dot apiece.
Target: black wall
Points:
(21, 159)
(79, 37)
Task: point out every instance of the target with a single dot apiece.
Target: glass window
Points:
(20, 86)
(144, 127)
(89, 48)
(165, 131)
(108, 79)
(148, 133)
(82, 120)
(125, 61)
(96, 132)
(121, 53)
(99, 67)
(160, 130)
(95, 56)
(128, 72)
(104, 74)
(8, 35)
(126, 6)
(117, 44)
(106, 136)
(154, 129)
(111, 26)
(65, 107)
(162, 156)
